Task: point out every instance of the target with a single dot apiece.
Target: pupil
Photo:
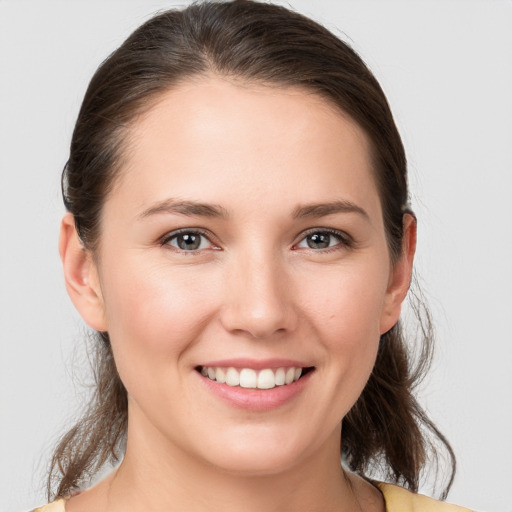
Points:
(189, 242)
(319, 240)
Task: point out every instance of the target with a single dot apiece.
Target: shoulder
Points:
(54, 506)
(399, 499)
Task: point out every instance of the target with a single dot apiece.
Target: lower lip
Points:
(257, 399)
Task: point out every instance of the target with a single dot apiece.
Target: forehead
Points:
(214, 135)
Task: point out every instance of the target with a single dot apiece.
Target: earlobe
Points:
(81, 276)
(400, 276)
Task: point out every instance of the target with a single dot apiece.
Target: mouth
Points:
(250, 378)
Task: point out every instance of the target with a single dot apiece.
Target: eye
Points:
(189, 241)
(322, 240)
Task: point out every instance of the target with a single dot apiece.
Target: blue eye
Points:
(188, 241)
(321, 240)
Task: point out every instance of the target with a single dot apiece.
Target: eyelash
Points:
(344, 240)
(187, 231)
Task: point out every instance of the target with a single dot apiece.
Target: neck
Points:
(149, 480)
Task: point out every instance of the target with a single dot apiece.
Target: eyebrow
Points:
(181, 207)
(324, 209)
(194, 208)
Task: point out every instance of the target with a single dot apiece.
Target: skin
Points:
(253, 289)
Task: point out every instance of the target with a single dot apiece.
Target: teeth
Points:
(290, 375)
(220, 375)
(248, 378)
(232, 377)
(266, 379)
(252, 379)
(280, 377)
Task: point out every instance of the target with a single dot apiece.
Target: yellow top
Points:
(397, 500)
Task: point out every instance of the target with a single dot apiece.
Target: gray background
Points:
(446, 67)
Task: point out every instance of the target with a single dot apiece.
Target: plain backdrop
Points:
(446, 67)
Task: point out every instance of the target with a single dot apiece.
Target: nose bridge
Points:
(258, 299)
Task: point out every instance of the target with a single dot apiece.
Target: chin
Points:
(257, 458)
(257, 466)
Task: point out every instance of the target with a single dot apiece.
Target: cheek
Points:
(347, 303)
(155, 314)
(346, 315)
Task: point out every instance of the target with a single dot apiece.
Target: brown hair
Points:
(260, 43)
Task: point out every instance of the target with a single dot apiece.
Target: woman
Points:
(238, 234)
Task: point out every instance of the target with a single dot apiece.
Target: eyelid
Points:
(346, 240)
(165, 239)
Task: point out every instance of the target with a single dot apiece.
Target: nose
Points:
(258, 298)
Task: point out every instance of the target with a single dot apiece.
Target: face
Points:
(244, 241)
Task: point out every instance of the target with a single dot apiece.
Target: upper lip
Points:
(255, 364)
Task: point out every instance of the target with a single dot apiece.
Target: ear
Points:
(81, 276)
(400, 276)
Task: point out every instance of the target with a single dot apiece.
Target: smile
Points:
(249, 378)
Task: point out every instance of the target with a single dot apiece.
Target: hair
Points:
(386, 430)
